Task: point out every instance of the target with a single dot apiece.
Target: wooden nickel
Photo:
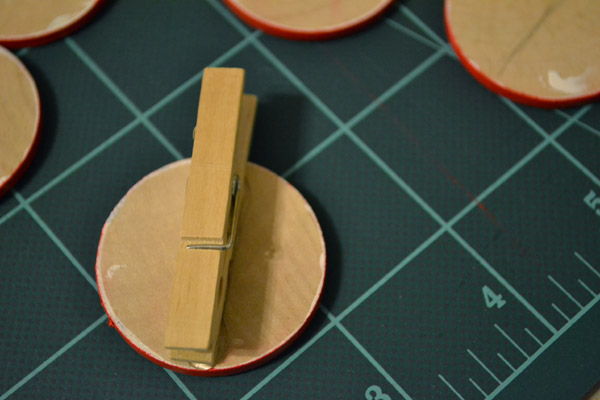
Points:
(539, 52)
(275, 280)
(33, 22)
(309, 19)
(20, 117)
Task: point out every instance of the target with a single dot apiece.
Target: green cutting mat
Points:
(462, 229)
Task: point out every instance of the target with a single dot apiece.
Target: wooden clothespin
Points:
(212, 203)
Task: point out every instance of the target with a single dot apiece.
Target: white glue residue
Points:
(3, 179)
(25, 153)
(542, 81)
(66, 19)
(570, 84)
(322, 261)
(60, 21)
(112, 270)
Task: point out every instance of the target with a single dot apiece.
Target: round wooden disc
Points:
(26, 23)
(538, 52)
(275, 279)
(20, 119)
(308, 19)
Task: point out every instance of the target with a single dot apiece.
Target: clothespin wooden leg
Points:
(214, 193)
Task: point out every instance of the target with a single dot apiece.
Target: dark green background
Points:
(390, 140)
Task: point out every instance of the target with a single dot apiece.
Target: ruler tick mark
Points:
(534, 337)
(560, 312)
(562, 289)
(478, 388)
(587, 288)
(511, 340)
(451, 387)
(484, 366)
(506, 362)
(587, 264)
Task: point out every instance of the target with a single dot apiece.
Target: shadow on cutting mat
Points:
(277, 131)
(593, 394)
(333, 262)
(277, 146)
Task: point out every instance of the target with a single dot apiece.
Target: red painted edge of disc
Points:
(41, 39)
(26, 161)
(301, 34)
(495, 86)
(220, 371)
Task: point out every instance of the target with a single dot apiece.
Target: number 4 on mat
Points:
(492, 299)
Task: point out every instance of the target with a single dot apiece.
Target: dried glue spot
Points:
(61, 21)
(270, 253)
(3, 179)
(570, 84)
(201, 366)
(111, 271)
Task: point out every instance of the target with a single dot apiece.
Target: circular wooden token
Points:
(538, 52)
(309, 19)
(20, 119)
(26, 23)
(275, 279)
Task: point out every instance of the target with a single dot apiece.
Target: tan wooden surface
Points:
(22, 18)
(311, 14)
(542, 48)
(275, 279)
(19, 114)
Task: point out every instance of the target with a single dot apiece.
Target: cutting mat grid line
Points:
(407, 31)
(110, 85)
(582, 124)
(419, 23)
(289, 360)
(371, 360)
(343, 129)
(55, 239)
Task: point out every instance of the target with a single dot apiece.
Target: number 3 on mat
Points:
(492, 299)
(375, 390)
